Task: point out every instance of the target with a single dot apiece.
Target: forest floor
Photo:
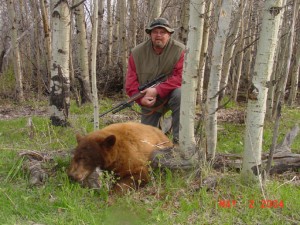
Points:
(8, 112)
(13, 111)
(172, 197)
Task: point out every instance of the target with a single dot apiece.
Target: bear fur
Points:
(123, 148)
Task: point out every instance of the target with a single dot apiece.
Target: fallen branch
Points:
(283, 159)
(40, 166)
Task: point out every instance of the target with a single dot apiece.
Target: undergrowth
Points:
(172, 197)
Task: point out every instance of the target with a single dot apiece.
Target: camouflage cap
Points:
(159, 22)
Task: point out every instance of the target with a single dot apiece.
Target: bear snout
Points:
(77, 172)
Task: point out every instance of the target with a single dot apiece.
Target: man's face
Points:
(160, 37)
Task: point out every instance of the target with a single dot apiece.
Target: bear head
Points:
(91, 152)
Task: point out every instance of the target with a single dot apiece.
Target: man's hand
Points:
(150, 97)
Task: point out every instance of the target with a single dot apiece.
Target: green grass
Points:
(231, 136)
(173, 197)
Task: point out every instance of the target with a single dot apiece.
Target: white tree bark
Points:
(47, 33)
(123, 39)
(249, 40)
(189, 79)
(281, 86)
(229, 50)
(60, 79)
(133, 19)
(116, 30)
(37, 52)
(278, 61)
(100, 20)
(184, 21)
(109, 33)
(215, 77)
(154, 7)
(83, 59)
(19, 94)
(240, 57)
(295, 72)
(204, 53)
(93, 65)
(257, 93)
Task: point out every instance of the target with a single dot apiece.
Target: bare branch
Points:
(76, 5)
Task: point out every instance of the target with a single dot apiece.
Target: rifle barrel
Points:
(152, 83)
(135, 97)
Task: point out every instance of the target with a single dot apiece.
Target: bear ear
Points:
(78, 138)
(109, 141)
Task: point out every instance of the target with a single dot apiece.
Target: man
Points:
(156, 56)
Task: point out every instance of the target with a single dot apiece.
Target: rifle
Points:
(136, 96)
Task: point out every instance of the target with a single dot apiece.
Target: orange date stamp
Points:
(263, 204)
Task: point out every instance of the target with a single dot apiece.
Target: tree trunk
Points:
(19, 94)
(184, 21)
(295, 67)
(133, 19)
(189, 79)
(249, 42)
(215, 77)
(116, 48)
(204, 53)
(281, 86)
(2, 59)
(60, 80)
(100, 20)
(277, 65)
(83, 59)
(93, 65)
(154, 7)
(47, 34)
(22, 18)
(37, 53)
(240, 57)
(295, 71)
(123, 40)
(109, 33)
(229, 50)
(257, 93)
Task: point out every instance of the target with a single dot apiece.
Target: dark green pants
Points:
(172, 104)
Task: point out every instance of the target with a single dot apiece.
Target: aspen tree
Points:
(123, 40)
(133, 22)
(184, 21)
(154, 8)
(83, 59)
(281, 85)
(277, 65)
(215, 77)
(100, 20)
(60, 79)
(93, 64)
(47, 35)
(295, 73)
(229, 50)
(204, 51)
(109, 33)
(19, 93)
(240, 56)
(189, 78)
(257, 93)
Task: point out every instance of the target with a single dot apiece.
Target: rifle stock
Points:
(135, 97)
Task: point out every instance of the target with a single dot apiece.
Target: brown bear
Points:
(123, 148)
